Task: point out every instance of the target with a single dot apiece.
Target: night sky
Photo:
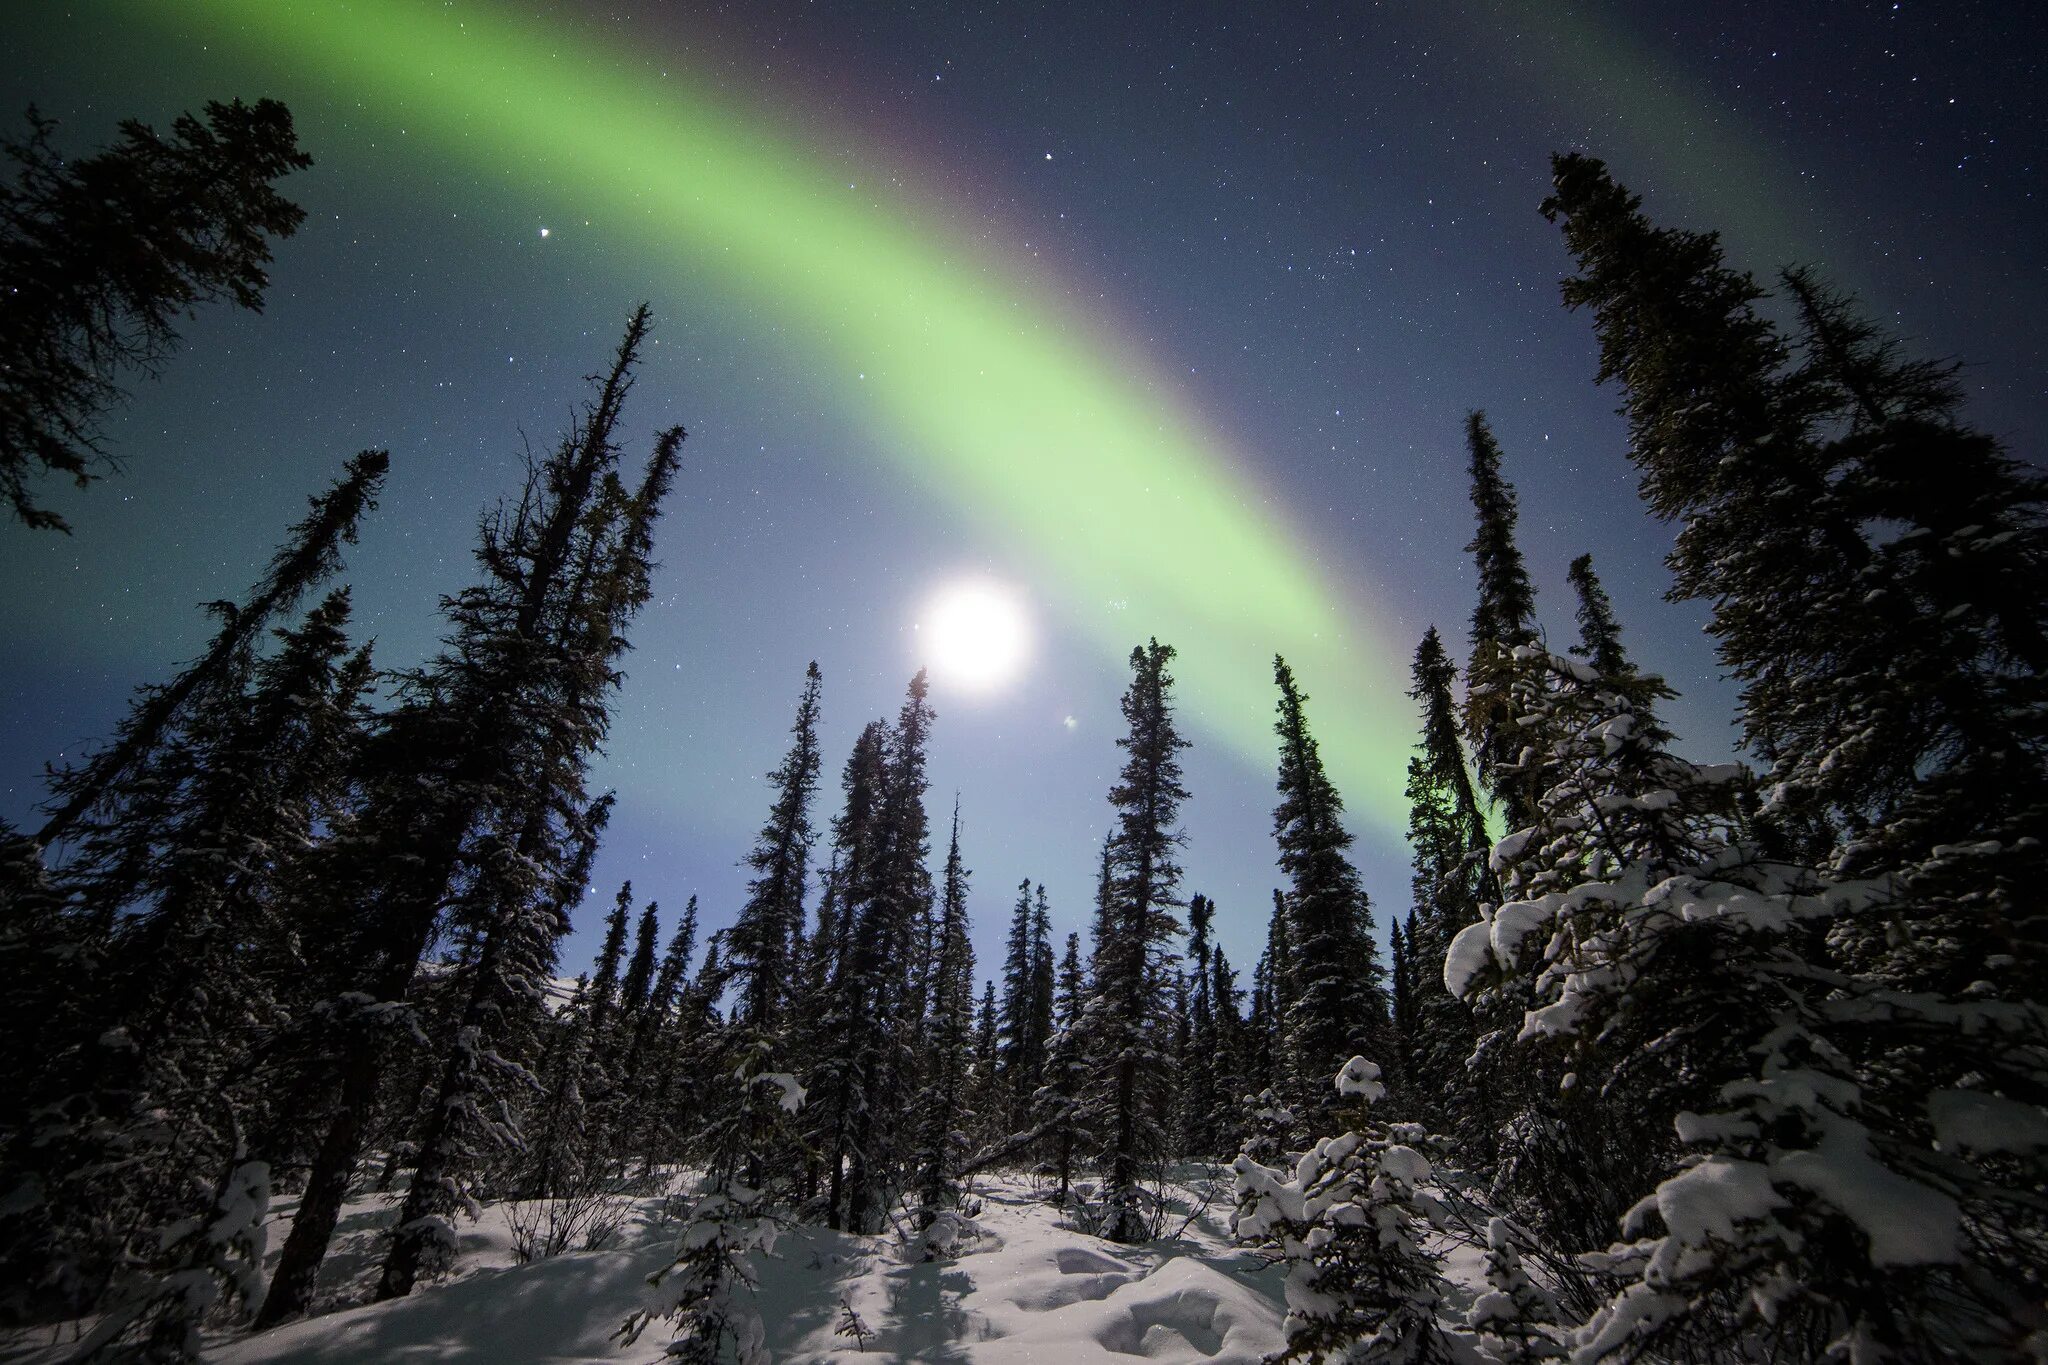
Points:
(1167, 321)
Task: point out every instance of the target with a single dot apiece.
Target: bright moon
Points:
(976, 635)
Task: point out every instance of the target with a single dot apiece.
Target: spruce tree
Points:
(869, 1070)
(1126, 1022)
(760, 944)
(1448, 844)
(1502, 622)
(1272, 1001)
(1353, 1221)
(1022, 1050)
(1899, 713)
(101, 255)
(840, 1069)
(611, 955)
(1201, 1103)
(941, 1117)
(1337, 1006)
(479, 770)
(135, 1115)
(1058, 1106)
(1401, 994)
(988, 1094)
(1039, 1013)
(1601, 648)
(1863, 550)
(639, 979)
(310, 554)
(651, 1064)
(889, 947)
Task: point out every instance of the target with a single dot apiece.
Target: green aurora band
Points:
(987, 386)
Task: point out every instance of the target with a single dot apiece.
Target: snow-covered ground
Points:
(1029, 1290)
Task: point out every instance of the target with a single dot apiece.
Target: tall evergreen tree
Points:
(185, 963)
(474, 796)
(760, 943)
(611, 956)
(310, 554)
(941, 1116)
(1201, 1102)
(1896, 706)
(1127, 1022)
(101, 255)
(1022, 1053)
(988, 1095)
(1865, 553)
(1601, 648)
(1059, 1105)
(1401, 993)
(1040, 1011)
(869, 1068)
(1448, 843)
(1272, 1000)
(1337, 1004)
(1503, 622)
(839, 1074)
(638, 982)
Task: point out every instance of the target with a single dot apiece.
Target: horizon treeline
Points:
(1710, 1061)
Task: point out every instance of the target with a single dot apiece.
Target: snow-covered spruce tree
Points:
(760, 946)
(1873, 566)
(1126, 1024)
(639, 978)
(611, 956)
(1272, 977)
(559, 1125)
(1517, 1321)
(987, 1087)
(611, 1116)
(534, 847)
(102, 254)
(1337, 1005)
(1351, 1221)
(1844, 1187)
(940, 1116)
(1849, 1181)
(1584, 1128)
(686, 1064)
(563, 1132)
(479, 769)
(1400, 996)
(1043, 974)
(708, 1288)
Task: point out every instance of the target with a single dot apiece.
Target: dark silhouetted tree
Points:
(101, 255)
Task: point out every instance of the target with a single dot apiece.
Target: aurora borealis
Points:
(1099, 326)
